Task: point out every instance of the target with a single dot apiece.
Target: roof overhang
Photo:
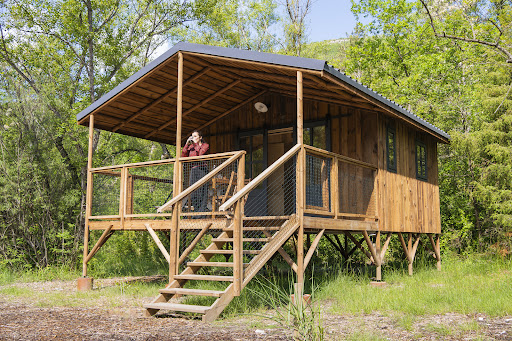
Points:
(219, 80)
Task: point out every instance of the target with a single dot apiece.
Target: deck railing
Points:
(339, 186)
(145, 189)
(132, 190)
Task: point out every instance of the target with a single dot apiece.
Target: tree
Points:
(295, 26)
(238, 23)
(487, 23)
(57, 58)
(459, 86)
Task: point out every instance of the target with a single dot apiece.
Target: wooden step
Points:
(248, 240)
(220, 264)
(229, 252)
(196, 292)
(178, 307)
(205, 278)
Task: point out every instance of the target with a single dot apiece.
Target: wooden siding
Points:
(405, 204)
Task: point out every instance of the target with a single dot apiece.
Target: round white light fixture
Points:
(260, 107)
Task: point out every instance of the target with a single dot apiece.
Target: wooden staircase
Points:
(277, 236)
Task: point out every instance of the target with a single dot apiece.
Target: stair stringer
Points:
(284, 233)
(162, 298)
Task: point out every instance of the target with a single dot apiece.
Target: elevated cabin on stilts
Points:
(296, 147)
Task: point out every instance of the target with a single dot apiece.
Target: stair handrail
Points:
(260, 178)
(201, 182)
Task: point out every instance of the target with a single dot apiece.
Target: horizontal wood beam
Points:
(188, 111)
(159, 100)
(348, 103)
(331, 224)
(217, 59)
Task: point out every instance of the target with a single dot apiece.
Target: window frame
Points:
(318, 123)
(391, 167)
(421, 144)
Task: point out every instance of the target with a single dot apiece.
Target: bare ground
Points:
(36, 319)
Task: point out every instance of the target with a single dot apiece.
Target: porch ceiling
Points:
(144, 105)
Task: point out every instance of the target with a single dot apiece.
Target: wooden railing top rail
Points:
(201, 182)
(343, 158)
(133, 165)
(158, 162)
(260, 178)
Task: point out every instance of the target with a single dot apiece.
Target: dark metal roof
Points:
(267, 58)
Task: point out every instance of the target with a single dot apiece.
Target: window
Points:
(391, 152)
(316, 134)
(421, 161)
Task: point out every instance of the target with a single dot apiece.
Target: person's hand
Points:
(190, 140)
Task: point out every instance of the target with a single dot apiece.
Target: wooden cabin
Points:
(296, 148)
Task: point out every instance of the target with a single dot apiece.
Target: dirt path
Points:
(40, 319)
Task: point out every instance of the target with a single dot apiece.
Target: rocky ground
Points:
(34, 318)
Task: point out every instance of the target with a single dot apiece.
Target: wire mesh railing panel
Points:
(208, 197)
(318, 182)
(148, 188)
(105, 193)
(356, 189)
(268, 207)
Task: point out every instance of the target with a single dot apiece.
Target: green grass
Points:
(474, 285)
(119, 295)
(477, 284)
(64, 273)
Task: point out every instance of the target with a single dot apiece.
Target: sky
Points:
(330, 19)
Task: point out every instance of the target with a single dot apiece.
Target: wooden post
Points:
(378, 263)
(238, 232)
(122, 195)
(301, 186)
(88, 195)
(177, 182)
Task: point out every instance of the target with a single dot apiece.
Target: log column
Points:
(177, 178)
(88, 195)
(301, 187)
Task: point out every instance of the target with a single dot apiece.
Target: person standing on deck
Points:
(195, 146)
